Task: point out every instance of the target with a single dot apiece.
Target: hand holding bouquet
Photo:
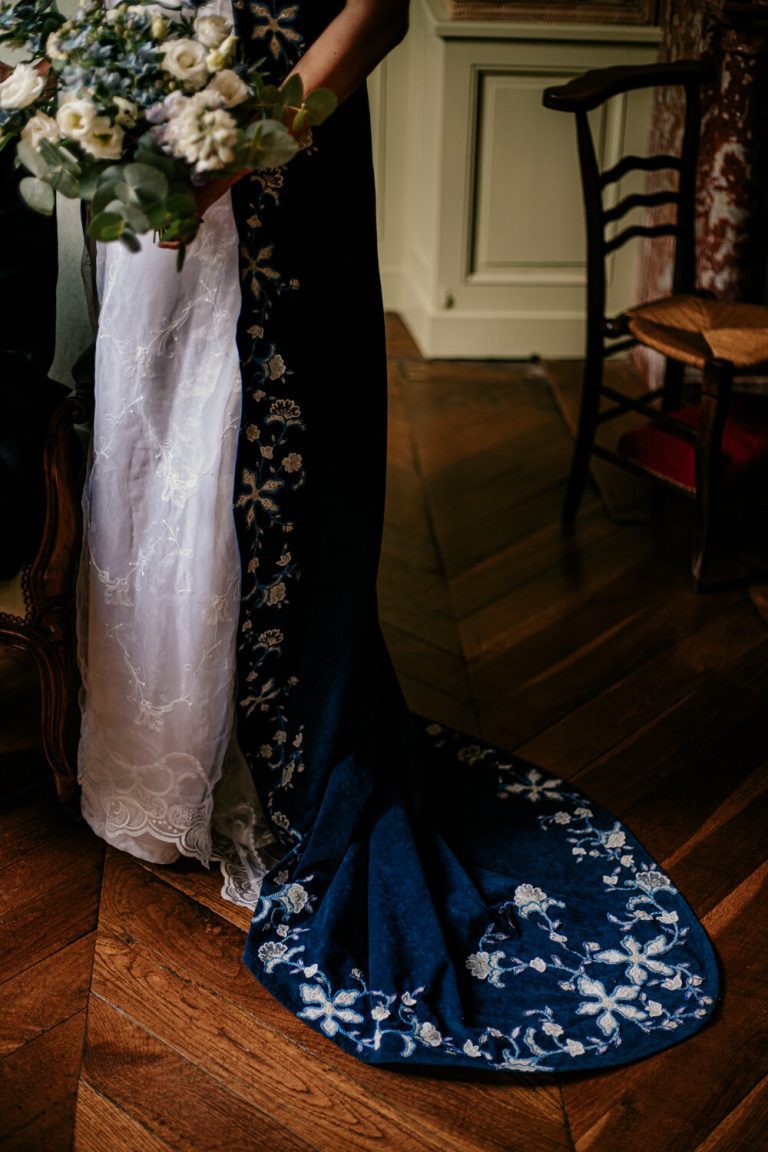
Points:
(136, 106)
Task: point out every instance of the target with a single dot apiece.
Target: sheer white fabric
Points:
(161, 773)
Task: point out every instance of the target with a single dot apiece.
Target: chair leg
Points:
(673, 386)
(715, 395)
(59, 689)
(585, 438)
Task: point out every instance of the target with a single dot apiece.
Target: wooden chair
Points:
(41, 473)
(701, 449)
(37, 605)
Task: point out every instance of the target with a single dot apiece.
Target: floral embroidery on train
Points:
(637, 976)
(272, 436)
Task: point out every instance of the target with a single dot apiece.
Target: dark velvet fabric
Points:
(438, 902)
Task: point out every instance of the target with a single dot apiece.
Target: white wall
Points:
(480, 215)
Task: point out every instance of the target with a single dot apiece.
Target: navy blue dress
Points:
(439, 901)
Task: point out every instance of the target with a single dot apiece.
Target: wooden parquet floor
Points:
(127, 1021)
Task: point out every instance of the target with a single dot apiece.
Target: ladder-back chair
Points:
(703, 448)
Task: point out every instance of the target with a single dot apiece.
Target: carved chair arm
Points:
(590, 90)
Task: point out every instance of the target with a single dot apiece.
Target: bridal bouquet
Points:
(133, 107)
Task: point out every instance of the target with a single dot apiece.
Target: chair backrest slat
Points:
(640, 200)
(641, 164)
(640, 230)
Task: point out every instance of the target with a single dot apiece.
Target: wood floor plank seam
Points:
(77, 1146)
(726, 1124)
(380, 1104)
(423, 1134)
(112, 1007)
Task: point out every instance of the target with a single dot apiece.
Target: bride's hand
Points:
(206, 195)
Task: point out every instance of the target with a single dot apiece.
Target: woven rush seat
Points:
(693, 330)
(744, 448)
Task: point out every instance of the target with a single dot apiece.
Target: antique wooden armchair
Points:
(37, 605)
(720, 442)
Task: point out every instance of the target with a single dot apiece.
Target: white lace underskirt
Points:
(159, 588)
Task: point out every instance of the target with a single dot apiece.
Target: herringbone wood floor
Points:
(126, 1017)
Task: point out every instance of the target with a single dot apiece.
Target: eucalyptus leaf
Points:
(130, 240)
(66, 183)
(89, 182)
(136, 218)
(104, 195)
(147, 181)
(292, 92)
(31, 159)
(181, 204)
(113, 173)
(38, 195)
(49, 153)
(271, 96)
(300, 122)
(113, 208)
(272, 145)
(157, 216)
(107, 226)
(125, 192)
(57, 157)
(148, 153)
(320, 104)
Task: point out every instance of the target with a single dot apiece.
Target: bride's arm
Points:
(353, 44)
(340, 59)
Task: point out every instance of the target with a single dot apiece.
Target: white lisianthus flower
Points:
(38, 128)
(22, 87)
(104, 140)
(212, 31)
(126, 113)
(75, 116)
(229, 86)
(185, 59)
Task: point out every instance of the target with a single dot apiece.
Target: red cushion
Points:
(745, 444)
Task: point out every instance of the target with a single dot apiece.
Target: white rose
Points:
(103, 140)
(74, 116)
(212, 31)
(126, 113)
(38, 128)
(185, 59)
(230, 86)
(22, 87)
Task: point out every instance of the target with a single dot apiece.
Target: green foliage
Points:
(39, 195)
